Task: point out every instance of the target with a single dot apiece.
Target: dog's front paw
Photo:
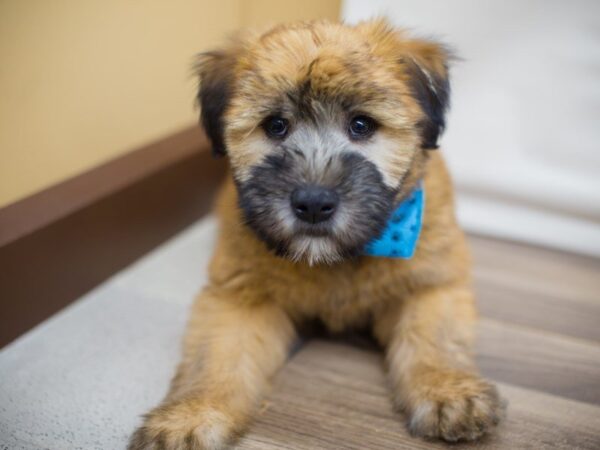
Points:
(183, 426)
(453, 407)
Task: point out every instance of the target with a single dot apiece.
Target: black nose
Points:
(314, 204)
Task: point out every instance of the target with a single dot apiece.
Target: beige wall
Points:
(84, 82)
(269, 12)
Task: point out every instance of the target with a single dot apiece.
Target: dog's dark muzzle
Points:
(348, 202)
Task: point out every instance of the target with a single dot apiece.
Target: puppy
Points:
(328, 129)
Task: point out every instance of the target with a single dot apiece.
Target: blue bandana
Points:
(401, 234)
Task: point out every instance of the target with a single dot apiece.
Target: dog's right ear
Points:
(215, 72)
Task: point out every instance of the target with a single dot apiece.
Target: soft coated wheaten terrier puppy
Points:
(338, 208)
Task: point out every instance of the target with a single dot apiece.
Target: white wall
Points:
(524, 130)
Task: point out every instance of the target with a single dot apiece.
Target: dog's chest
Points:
(341, 299)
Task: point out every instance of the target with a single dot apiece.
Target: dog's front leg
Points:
(232, 348)
(433, 376)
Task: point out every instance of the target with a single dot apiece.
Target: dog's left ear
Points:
(215, 71)
(426, 64)
(423, 65)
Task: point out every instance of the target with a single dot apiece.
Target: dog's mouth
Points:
(316, 230)
(343, 235)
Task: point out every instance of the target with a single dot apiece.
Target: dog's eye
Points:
(361, 127)
(276, 127)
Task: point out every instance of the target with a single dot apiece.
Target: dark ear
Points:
(427, 70)
(215, 70)
(424, 67)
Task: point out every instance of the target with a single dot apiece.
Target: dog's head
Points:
(326, 126)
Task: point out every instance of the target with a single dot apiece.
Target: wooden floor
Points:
(539, 339)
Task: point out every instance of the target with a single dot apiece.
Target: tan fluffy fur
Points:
(421, 310)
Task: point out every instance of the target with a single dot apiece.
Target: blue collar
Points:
(401, 234)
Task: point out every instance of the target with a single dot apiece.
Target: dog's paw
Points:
(454, 407)
(183, 426)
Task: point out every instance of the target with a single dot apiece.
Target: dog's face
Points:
(325, 126)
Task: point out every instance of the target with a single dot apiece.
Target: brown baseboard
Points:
(60, 243)
(56, 202)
